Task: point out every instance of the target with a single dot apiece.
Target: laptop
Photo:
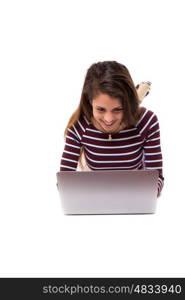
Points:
(108, 192)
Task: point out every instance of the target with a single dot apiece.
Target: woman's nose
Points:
(108, 118)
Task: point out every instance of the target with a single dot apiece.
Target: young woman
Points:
(109, 128)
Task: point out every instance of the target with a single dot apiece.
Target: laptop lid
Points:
(108, 192)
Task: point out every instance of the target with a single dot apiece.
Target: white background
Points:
(46, 48)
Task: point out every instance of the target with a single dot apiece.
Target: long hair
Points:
(113, 79)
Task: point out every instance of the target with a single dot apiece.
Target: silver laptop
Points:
(108, 192)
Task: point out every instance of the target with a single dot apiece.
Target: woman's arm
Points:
(71, 153)
(152, 151)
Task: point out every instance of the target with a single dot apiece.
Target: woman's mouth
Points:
(108, 124)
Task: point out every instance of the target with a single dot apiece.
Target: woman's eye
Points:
(120, 109)
(115, 110)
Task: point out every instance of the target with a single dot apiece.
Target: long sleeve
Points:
(71, 153)
(152, 151)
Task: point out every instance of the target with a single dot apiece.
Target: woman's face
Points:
(107, 112)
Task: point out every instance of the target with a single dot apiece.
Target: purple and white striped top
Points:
(136, 147)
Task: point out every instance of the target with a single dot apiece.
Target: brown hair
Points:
(113, 79)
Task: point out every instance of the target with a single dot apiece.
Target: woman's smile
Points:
(108, 124)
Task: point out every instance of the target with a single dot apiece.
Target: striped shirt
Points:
(136, 147)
